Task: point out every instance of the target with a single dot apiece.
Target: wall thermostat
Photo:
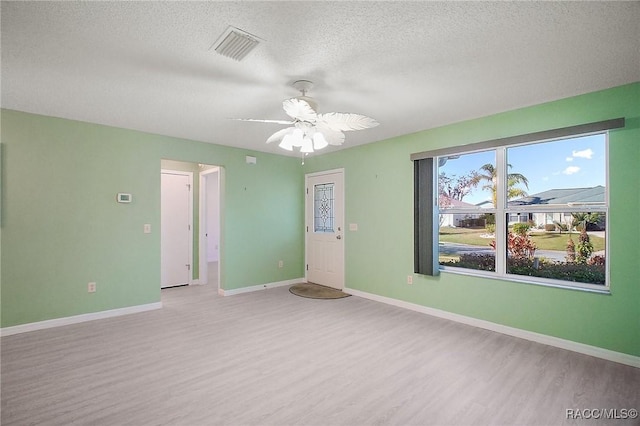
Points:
(124, 198)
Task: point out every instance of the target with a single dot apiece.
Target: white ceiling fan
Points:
(312, 131)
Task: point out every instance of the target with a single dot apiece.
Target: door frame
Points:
(190, 179)
(203, 272)
(308, 225)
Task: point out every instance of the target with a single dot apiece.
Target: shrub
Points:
(481, 262)
(584, 248)
(469, 222)
(590, 274)
(491, 228)
(549, 227)
(521, 228)
(489, 218)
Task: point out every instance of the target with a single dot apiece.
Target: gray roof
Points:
(594, 194)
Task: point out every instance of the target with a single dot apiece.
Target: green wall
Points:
(379, 198)
(61, 225)
(62, 228)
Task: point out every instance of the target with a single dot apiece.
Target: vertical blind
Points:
(425, 216)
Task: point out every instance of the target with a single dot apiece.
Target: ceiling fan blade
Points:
(263, 121)
(342, 121)
(299, 110)
(280, 134)
(333, 137)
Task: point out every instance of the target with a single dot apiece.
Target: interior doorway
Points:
(204, 264)
(210, 184)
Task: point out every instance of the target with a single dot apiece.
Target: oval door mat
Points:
(316, 291)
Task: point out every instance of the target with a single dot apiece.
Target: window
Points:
(532, 210)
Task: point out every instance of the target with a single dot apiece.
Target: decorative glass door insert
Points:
(323, 208)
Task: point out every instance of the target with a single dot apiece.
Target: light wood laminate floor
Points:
(272, 358)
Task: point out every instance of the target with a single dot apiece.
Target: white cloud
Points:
(571, 170)
(585, 153)
(569, 158)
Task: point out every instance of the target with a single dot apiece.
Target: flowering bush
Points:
(571, 251)
(584, 248)
(598, 260)
(518, 246)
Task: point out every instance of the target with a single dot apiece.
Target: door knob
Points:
(339, 237)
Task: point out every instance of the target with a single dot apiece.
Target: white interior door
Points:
(325, 228)
(175, 231)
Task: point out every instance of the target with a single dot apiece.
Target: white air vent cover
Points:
(235, 43)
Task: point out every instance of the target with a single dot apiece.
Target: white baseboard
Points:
(582, 348)
(260, 287)
(59, 322)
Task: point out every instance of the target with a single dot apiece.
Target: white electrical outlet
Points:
(91, 287)
(280, 263)
(409, 279)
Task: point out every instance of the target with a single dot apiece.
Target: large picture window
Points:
(533, 210)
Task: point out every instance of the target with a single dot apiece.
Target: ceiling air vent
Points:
(235, 43)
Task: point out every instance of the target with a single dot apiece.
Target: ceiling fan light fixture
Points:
(307, 145)
(287, 143)
(319, 141)
(297, 137)
(311, 130)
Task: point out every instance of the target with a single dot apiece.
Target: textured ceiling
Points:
(411, 65)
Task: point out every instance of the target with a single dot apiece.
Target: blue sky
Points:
(568, 163)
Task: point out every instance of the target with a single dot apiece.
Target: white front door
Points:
(175, 233)
(325, 228)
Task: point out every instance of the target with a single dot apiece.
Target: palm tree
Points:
(583, 220)
(488, 173)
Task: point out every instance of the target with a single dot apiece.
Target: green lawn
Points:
(543, 240)
(467, 236)
(555, 241)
